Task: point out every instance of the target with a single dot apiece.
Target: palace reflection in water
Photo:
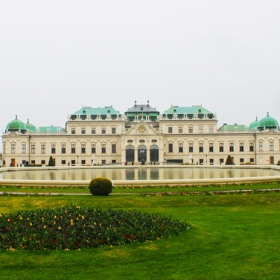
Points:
(137, 173)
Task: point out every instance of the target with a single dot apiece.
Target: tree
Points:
(51, 161)
(229, 160)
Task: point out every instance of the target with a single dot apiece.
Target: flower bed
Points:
(252, 191)
(76, 227)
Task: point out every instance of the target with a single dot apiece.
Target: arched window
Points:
(154, 153)
(129, 153)
(142, 153)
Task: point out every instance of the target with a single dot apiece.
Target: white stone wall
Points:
(147, 132)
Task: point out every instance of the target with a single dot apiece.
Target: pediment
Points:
(144, 129)
(271, 132)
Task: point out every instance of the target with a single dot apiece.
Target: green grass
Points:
(232, 237)
(134, 189)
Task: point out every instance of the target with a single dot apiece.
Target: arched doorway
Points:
(142, 153)
(129, 153)
(154, 155)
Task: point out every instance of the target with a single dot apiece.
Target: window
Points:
(63, 149)
(83, 161)
(221, 160)
(114, 148)
(93, 131)
(73, 149)
(241, 147)
(201, 147)
(103, 131)
(93, 149)
(200, 129)
(73, 162)
(4, 148)
(231, 147)
(13, 148)
(73, 131)
(170, 129)
(261, 146)
(23, 148)
(170, 148)
(180, 129)
(210, 129)
(43, 149)
(83, 131)
(271, 146)
(43, 161)
(103, 161)
(251, 147)
(252, 160)
(53, 149)
(83, 148)
(211, 147)
(180, 147)
(221, 147)
(241, 160)
(191, 148)
(113, 130)
(190, 129)
(63, 162)
(211, 161)
(103, 149)
(32, 149)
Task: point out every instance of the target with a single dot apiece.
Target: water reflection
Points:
(137, 173)
(154, 174)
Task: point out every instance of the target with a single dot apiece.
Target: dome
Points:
(268, 123)
(254, 125)
(30, 127)
(16, 125)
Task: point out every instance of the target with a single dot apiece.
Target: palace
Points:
(141, 135)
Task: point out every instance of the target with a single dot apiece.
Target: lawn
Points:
(232, 237)
(140, 189)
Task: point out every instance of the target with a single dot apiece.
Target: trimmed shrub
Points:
(229, 160)
(100, 186)
(51, 161)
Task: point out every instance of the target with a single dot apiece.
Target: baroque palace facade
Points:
(141, 135)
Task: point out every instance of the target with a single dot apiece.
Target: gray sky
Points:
(56, 56)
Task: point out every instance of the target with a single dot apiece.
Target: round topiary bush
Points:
(100, 186)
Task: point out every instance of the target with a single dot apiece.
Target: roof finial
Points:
(268, 114)
(148, 102)
(27, 120)
(135, 102)
(16, 117)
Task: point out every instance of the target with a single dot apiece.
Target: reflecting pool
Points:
(137, 173)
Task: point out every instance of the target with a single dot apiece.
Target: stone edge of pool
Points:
(208, 181)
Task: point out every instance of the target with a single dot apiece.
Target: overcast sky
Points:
(57, 56)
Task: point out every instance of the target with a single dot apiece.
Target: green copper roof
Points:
(233, 127)
(268, 122)
(254, 125)
(187, 110)
(16, 125)
(97, 111)
(30, 127)
(51, 129)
